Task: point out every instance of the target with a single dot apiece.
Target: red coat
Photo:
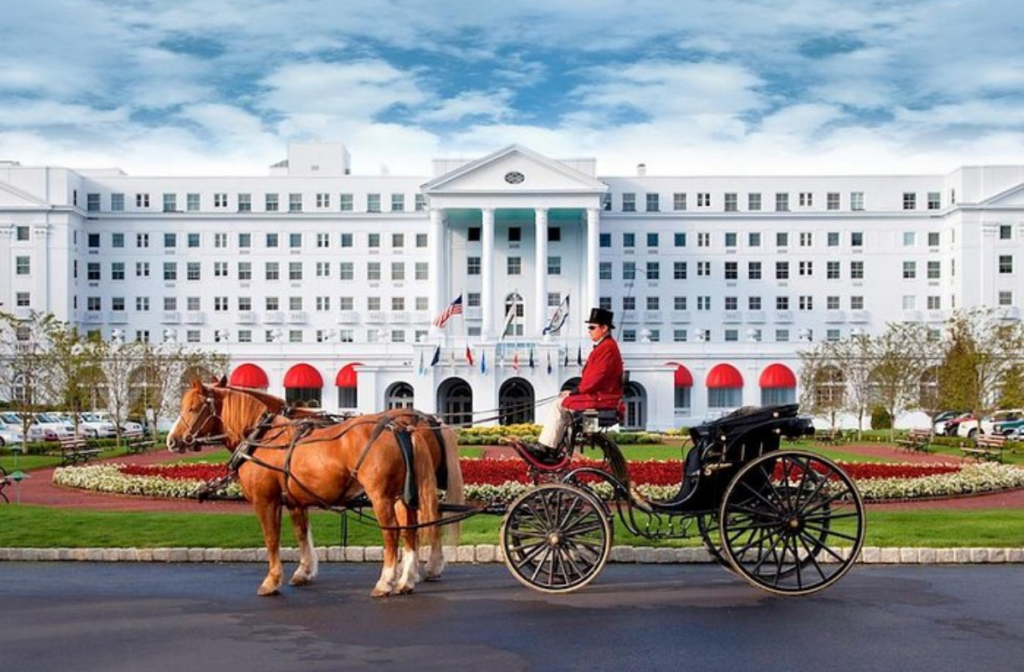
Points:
(601, 384)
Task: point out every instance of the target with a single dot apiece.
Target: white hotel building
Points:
(323, 285)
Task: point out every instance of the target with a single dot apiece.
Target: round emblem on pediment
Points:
(514, 177)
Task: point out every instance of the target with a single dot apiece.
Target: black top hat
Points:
(602, 317)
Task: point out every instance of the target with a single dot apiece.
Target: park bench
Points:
(986, 447)
(832, 436)
(137, 442)
(5, 480)
(76, 450)
(916, 440)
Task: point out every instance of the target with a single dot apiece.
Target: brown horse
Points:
(300, 461)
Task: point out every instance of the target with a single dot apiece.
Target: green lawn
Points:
(42, 527)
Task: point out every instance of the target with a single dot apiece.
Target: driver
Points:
(600, 387)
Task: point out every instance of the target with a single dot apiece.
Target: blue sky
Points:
(687, 87)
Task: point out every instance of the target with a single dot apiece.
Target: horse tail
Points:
(456, 491)
(426, 482)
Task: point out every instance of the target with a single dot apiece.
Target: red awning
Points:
(347, 376)
(303, 376)
(249, 375)
(724, 376)
(777, 376)
(683, 377)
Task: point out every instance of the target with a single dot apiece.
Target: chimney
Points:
(641, 169)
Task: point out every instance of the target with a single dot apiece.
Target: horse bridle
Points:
(206, 414)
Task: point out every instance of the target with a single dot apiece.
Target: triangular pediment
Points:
(514, 169)
(12, 197)
(1012, 197)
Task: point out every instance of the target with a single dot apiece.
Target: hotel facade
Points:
(323, 286)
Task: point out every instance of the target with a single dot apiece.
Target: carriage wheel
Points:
(556, 538)
(792, 522)
(707, 525)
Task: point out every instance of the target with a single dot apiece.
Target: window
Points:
(679, 239)
(782, 270)
(678, 201)
(679, 270)
(397, 240)
(92, 270)
(295, 270)
(833, 239)
(703, 240)
(679, 336)
(629, 270)
(856, 303)
(754, 239)
(397, 202)
(934, 200)
(806, 303)
(806, 239)
(909, 238)
(754, 270)
(245, 303)
(92, 202)
(806, 199)
(398, 270)
(93, 240)
(346, 270)
(117, 270)
(272, 303)
(141, 200)
(909, 302)
(604, 240)
(703, 303)
(23, 266)
(653, 270)
(345, 240)
(421, 240)
(245, 202)
(117, 202)
(629, 240)
(1005, 232)
(909, 200)
(934, 270)
(856, 270)
(373, 270)
(244, 240)
(754, 202)
(781, 239)
(323, 240)
(270, 203)
(220, 240)
(93, 303)
(731, 270)
(272, 270)
(935, 302)
(832, 270)
(781, 202)
(1005, 264)
(422, 270)
(245, 270)
(856, 200)
(193, 240)
(346, 202)
(806, 268)
(294, 202)
(117, 304)
(514, 266)
(142, 304)
(272, 240)
(704, 200)
(323, 201)
(731, 202)
(142, 269)
(323, 269)
(730, 239)
(294, 240)
(170, 240)
(857, 239)
(652, 240)
(832, 201)
(652, 203)
(472, 265)
(220, 200)
(192, 202)
(781, 303)
(732, 303)
(142, 240)
(170, 270)
(679, 303)
(515, 234)
(554, 265)
(220, 304)
(629, 202)
(193, 270)
(754, 303)
(117, 240)
(909, 270)
(703, 269)
(421, 203)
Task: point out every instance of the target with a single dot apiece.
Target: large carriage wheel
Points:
(707, 525)
(556, 538)
(791, 522)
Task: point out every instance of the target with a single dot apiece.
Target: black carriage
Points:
(788, 521)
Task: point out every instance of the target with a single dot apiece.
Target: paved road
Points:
(157, 618)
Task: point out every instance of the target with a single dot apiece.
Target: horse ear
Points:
(223, 382)
(196, 384)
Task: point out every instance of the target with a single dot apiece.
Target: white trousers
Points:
(556, 424)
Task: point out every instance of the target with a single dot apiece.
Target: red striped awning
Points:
(683, 377)
(778, 376)
(724, 376)
(303, 376)
(251, 376)
(347, 376)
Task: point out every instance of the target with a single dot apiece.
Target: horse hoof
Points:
(377, 592)
(300, 581)
(266, 592)
(405, 590)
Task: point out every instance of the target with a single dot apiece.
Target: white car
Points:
(9, 437)
(95, 426)
(130, 426)
(988, 422)
(46, 427)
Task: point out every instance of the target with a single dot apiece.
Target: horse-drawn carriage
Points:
(788, 521)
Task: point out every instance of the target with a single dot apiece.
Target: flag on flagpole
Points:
(515, 361)
(510, 317)
(483, 364)
(579, 356)
(566, 363)
(469, 355)
(420, 370)
(558, 317)
(549, 363)
(531, 359)
(453, 308)
(437, 356)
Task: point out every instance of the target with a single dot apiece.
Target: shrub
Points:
(880, 418)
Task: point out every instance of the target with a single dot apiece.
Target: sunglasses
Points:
(592, 327)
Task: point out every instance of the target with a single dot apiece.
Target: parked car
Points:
(45, 427)
(1006, 426)
(95, 426)
(953, 426)
(131, 426)
(942, 418)
(9, 437)
(1015, 433)
(988, 424)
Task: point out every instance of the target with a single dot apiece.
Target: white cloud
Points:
(493, 105)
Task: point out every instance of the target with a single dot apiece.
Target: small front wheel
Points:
(556, 538)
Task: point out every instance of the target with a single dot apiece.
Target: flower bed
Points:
(502, 480)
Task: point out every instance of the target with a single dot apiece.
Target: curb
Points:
(487, 553)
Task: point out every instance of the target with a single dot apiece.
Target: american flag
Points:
(453, 308)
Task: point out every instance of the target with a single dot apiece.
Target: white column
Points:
(435, 239)
(540, 297)
(487, 276)
(593, 239)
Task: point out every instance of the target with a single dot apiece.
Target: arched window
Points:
(399, 395)
(515, 399)
(725, 387)
(829, 387)
(778, 385)
(683, 383)
(514, 315)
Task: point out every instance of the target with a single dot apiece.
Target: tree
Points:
(68, 366)
(900, 356)
(980, 349)
(1011, 390)
(118, 361)
(855, 358)
(822, 383)
(24, 349)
